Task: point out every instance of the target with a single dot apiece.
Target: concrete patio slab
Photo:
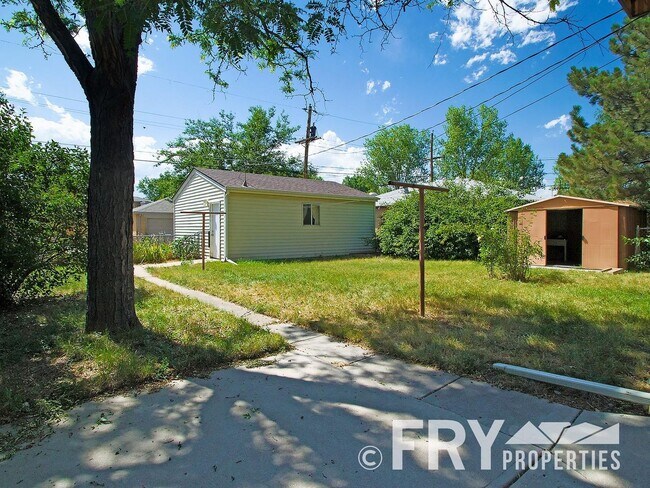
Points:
(246, 427)
(486, 403)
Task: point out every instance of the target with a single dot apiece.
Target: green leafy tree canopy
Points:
(397, 153)
(477, 146)
(254, 145)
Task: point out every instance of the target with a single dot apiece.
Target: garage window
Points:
(310, 214)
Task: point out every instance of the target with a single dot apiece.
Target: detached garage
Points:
(154, 219)
(273, 217)
(579, 231)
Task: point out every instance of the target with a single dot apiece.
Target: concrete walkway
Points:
(302, 418)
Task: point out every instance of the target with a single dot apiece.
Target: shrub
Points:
(508, 254)
(187, 248)
(43, 195)
(453, 220)
(152, 250)
(641, 260)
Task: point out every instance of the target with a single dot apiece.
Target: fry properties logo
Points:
(548, 446)
(580, 447)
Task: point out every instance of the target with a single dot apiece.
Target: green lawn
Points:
(48, 364)
(588, 325)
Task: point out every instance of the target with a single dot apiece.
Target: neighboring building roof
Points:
(541, 194)
(160, 206)
(578, 201)
(388, 198)
(140, 199)
(283, 184)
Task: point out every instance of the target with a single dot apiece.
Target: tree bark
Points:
(111, 293)
(111, 97)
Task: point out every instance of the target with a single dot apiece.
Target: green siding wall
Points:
(270, 227)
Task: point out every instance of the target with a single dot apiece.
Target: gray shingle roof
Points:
(160, 206)
(235, 179)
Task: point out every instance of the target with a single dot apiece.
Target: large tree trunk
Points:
(110, 219)
(111, 97)
(109, 86)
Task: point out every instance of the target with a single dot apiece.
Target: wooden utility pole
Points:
(305, 162)
(431, 160)
(421, 189)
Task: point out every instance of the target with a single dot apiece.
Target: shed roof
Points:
(284, 184)
(580, 202)
(159, 206)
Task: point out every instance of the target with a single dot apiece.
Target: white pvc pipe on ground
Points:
(591, 386)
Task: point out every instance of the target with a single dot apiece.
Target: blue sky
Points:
(431, 56)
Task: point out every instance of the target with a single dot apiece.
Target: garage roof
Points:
(241, 181)
(160, 206)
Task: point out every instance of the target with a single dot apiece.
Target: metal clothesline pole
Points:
(202, 213)
(421, 189)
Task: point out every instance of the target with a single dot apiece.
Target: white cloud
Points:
(18, 86)
(333, 165)
(434, 36)
(505, 56)
(478, 27)
(476, 59)
(146, 155)
(54, 108)
(440, 59)
(476, 75)
(65, 128)
(373, 85)
(364, 70)
(145, 65)
(563, 122)
(83, 39)
(536, 36)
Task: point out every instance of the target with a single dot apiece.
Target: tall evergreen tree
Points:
(610, 158)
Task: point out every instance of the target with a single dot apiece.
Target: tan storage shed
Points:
(581, 232)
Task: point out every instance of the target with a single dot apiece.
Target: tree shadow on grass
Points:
(49, 364)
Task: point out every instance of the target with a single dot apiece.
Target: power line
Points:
(489, 78)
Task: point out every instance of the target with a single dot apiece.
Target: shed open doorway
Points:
(564, 237)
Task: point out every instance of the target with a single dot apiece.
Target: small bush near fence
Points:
(187, 248)
(508, 256)
(641, 260)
